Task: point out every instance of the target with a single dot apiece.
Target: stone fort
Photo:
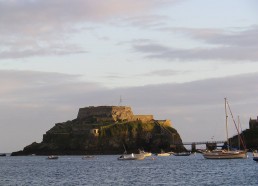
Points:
(114, 114)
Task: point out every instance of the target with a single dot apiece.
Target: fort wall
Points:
(165, 122)
(106, 113)
(143, 118)
(111, 114)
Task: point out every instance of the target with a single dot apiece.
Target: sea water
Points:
(107, 170)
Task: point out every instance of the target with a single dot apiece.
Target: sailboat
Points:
(255, 155)
(227, 153)
(131, 156)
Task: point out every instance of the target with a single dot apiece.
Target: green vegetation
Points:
(79, 137)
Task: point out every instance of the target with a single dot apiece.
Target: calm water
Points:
(107, 170)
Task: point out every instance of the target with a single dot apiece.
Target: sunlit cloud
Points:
(46, 27)
(232, 46)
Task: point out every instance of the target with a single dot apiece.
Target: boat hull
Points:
(225, 155)
(52, 157)
(147, 154)
(87, 157)
(163, 154)
(182, 154)
(255, 156)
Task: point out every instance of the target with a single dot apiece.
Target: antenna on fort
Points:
(120, 101)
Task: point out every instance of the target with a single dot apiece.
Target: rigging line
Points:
(235, 125)
(241, 129)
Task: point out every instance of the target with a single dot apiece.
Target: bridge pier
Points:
(210, 145)
(193, 147)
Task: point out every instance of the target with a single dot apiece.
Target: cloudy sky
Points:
(175, 59)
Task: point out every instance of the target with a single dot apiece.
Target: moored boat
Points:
(255, 156)
(52, 157)
(182, 154)
(131, 157)
(227, 153)
(146, 154)
(3, 154)
(163, 153)
(87, 157)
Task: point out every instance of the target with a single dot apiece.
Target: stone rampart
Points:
(165, 122)
(106, 113)
(113, 114)
(143, 118)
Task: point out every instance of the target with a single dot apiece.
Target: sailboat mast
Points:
(238, 133)
(226, 113)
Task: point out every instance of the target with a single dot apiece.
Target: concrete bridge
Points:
(211, 145)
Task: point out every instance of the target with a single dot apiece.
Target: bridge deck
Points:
(200, 142)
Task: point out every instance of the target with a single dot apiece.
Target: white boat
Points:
(87, 157)
(146, 154)
(226, 153)
(131, 157)
(163, 153)
(255, 156)
(52, 157)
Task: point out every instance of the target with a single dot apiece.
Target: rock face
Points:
(106, 130)
(250, 139)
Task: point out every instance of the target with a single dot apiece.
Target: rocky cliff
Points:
(250, 138)
(106, 130)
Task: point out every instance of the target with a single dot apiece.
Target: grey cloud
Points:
(146, 22)
(69, 88)
(164, 72)
(247, 37)
(20, 87)
(27, 23)
(36, 51)
(237, 45)
(233, 53)
(47, 16)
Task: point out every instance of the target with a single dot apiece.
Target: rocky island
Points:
(107, 130)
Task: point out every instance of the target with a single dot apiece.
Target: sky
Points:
(175, 59)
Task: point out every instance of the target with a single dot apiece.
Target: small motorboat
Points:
(87, 157)
(182, 154)
(162, 153)
(131, 157)
(52, 157)
(255, 156)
